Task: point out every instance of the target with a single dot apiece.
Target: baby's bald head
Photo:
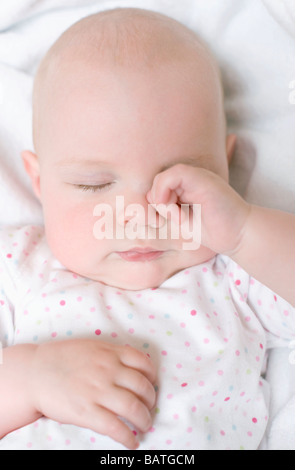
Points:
(123, 40)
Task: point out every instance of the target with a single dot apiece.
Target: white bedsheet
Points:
(254, 42)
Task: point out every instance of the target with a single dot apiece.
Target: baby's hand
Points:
(91, 384)
(224, 212)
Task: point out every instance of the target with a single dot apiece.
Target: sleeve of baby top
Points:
(276, 315)
(8, 291)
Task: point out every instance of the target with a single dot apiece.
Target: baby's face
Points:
(108, 135)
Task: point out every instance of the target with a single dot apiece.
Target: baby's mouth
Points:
(140, 254)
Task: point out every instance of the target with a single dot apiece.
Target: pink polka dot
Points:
(227, 399)
(198, 358)
(249, 433)
(114, 334)
(67, 442)
(79, 299)
(62, 303)
(193, 312)
(201, 383)
(206, 340)
(189, 430)
(168, 442)
(184, 384)
(9, 255)
(182, 325)
(29, 445)
(54, 334)
(204, 270)
(237, 282)
(97, 332)
(179, 366)
(169, 396)
(131, 330)
(222, 432)
(164, 353)
(237, 352)
(220, 372)
(92, 439)
(254, 420)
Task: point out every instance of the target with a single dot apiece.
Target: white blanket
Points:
(254, 42)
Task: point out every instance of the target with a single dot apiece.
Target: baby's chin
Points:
(136, 276)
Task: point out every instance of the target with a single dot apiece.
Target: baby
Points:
(120, 342)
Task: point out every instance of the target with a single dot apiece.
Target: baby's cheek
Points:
(69, 228)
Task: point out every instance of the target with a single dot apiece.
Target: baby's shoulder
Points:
(18, 247)
(16, 243)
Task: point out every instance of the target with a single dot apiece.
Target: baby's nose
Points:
(140, 213)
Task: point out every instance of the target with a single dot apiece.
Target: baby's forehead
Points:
(121, 40)
(124, 37)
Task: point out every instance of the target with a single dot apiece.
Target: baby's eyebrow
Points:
(78, 163)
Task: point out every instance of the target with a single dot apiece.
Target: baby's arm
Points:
(260, 240)
(267, 250)
(16, 404)
(88, 383)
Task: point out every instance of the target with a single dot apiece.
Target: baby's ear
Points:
(230, 146)
(32, 167)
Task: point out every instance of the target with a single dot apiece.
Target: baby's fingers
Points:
(105, 422)
(138, 384)
(139, 361)
(169, 185)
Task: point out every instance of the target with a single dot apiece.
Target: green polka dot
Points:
(206, 419)
(169, 333)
